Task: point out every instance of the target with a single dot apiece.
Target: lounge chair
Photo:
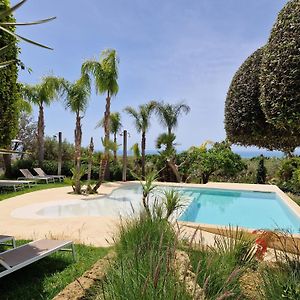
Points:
(27, 175)
(27, 254)
(41, 172)
(16, 184)
(6, 238)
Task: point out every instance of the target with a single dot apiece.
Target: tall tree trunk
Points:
(41, 133)
(7, 165)
(174, 169)
(78, 137)
(115, 150)
(143, 146)
(105, 159)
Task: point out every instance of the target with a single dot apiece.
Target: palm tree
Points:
(169, 114)
(76, 96)
(142, 124)
(115, 126)
(41, 94)
(105, 73)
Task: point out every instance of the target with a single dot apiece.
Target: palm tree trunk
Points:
(7, 165)
(143, 154)
(41, 133)
(115, 151)
(105, 159)
(78, 137)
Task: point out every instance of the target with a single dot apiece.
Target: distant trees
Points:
(263, 102)
(219, 159)
(105, 74)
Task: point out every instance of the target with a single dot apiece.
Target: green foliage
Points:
(9, 93)
(280, 72)
(115, 124)
(76, 94)
(221, 267)
(142, 270)
(172, 201)
(169, 114)
(51, 150)
(261, 173)
(288, 175)
(219, 159)
(141, 116)
(245, 122)
(104, 71)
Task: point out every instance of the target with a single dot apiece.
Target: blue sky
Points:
(169, 50)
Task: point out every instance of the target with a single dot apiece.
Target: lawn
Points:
(37, 187)
(46, 278)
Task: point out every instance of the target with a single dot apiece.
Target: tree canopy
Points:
(245, 122)
(280, 72)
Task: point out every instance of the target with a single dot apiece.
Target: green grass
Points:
(220, 268)
(143, 267)
(46, 278)
(34, 188)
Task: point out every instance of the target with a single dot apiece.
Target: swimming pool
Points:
(249, 209)
(213, 206)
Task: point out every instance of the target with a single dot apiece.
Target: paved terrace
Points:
(94, 230)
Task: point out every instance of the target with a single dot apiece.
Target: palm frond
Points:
(9, 11)
(24, 39)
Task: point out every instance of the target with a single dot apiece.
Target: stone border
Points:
(77, 289)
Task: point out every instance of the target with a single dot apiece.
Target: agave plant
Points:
(7, 27)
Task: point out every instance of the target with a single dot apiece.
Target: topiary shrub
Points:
(245, 122)
(280, 71)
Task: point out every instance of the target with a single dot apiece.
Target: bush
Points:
(288, 175)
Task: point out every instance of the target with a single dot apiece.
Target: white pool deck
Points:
(91, 230)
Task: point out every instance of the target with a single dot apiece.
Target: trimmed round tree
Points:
(280, 71)
(245, 122)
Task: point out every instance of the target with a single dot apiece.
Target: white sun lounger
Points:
(27, 175)
(6, 238)
(41, 172)
(15, 184)
(25, 255)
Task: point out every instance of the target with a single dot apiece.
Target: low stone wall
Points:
(77, 289)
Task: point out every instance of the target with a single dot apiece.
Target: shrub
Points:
(288, 175)
(221, 267)
(280, 72)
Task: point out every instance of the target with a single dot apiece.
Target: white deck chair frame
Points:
(28, 176)
(41, 172)
(64, 246)
(6, 238)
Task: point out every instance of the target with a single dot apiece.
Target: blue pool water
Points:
(255, 210)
